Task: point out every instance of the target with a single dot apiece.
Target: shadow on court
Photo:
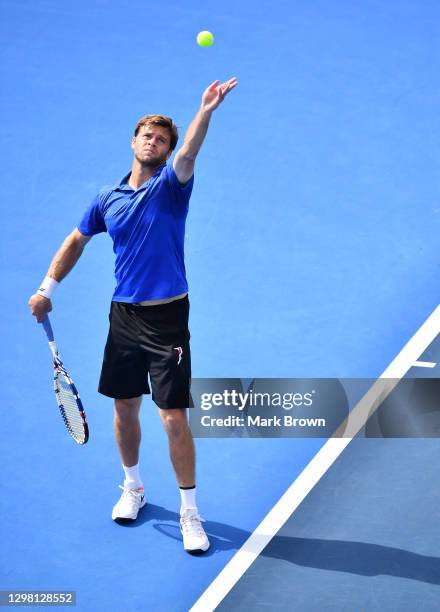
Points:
(333, 555)
(355, 558)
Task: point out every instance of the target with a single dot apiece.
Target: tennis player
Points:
(145, 216)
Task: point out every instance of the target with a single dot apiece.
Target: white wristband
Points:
(47, 287)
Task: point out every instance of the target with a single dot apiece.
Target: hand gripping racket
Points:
(68, 400)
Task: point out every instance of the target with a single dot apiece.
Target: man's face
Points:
(151, 146)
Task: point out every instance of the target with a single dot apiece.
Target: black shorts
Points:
(150, 340)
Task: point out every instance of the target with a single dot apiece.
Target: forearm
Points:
(65, 259)
(195, 134)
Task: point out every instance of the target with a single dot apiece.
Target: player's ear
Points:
(133, 140)
(170, 152)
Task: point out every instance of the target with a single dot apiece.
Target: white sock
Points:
(132, 477)
(188, 499)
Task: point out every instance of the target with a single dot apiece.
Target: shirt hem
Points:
(135, 300)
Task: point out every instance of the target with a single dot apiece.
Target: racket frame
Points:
(59, 369)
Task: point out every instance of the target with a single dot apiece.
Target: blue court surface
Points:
(311, 251)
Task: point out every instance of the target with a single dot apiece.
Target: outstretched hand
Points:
(215, 94)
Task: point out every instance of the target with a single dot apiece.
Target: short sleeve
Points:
(92, 221)
(182, 191)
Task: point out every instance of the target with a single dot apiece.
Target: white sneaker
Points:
(194, 536)
(127, 508)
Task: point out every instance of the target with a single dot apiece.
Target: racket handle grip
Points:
(48, 329)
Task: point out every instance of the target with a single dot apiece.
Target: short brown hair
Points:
(163, 121)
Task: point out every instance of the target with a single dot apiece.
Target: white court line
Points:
(424, 364)
(318, 466)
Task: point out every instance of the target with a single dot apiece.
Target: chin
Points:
(151, 161)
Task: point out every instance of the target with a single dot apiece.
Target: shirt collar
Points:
(124, 186)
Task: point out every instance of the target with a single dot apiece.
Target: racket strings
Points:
(70, 407)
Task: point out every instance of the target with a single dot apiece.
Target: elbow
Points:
(188, 155)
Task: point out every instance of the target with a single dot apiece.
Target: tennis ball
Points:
(205, 39)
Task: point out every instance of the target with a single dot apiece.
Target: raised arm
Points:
(212, 97)
(63, 261)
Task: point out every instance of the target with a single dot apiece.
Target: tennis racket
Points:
(68, 400)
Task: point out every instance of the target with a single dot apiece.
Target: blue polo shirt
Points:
(147, 226)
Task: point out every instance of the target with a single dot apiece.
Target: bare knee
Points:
(174, 422)
(127, 410)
